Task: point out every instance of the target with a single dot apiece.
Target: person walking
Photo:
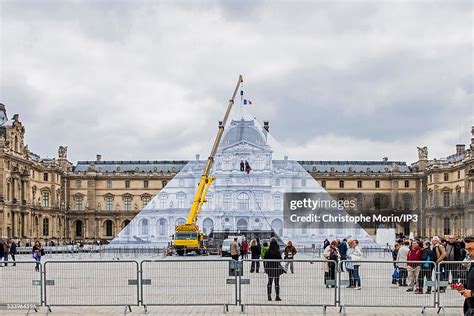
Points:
(290, 252)
(37, 253)
(13, 251)
(234, 249)
(426, 268)
(273, 269)
(413, 269)
(402, 257)
(255, 250)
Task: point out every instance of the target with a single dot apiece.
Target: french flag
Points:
(247, 102)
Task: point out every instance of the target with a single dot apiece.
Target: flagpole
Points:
(242, 100)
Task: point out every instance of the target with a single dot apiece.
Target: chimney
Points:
(460, 149)
(385, 159)
(98, 157)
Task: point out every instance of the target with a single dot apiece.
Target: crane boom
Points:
(204, 184)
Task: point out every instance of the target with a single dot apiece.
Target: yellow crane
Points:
(187, 236)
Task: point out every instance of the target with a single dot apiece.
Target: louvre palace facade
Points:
(62, 201)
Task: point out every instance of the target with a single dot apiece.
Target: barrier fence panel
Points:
(21, 283)
(371, 284)
(91, 283)
(313, 282)
(188, 282)
(452, 275)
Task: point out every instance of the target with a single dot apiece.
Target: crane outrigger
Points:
(187, 236)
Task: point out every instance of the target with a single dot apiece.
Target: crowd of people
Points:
(415, 261)
(8, 248)
(347, 251)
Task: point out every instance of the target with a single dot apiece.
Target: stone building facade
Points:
(53, 199)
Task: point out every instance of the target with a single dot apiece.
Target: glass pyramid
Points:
(238, 201)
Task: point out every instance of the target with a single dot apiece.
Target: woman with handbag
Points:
(273, 269)
(37, 252)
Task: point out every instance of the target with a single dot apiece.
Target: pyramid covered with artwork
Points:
(252, 174)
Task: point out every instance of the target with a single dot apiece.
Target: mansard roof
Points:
(132, 165)
(177, 165)
(353, 166)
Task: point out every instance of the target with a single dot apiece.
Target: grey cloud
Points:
(149, 80)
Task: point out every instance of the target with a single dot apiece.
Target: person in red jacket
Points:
(413, 269)
(245, 249)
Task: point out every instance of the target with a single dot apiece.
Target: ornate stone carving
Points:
(26, 152)
(395, 167)
(62, 152)
(422, 153)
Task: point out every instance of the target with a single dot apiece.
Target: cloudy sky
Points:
(149, 79)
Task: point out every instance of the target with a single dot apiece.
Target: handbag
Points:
(284, 267)
(42, 252)
(396, 274)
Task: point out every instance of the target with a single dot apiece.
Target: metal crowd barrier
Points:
(22, 284)
(452, 274)
(371, 284)
(188, 282)
(294, 282)
(91, 283)
(180, 282)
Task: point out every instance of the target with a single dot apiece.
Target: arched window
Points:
(144, 227)
(208, 225)
(180, 221)
(45, 226)
(243, 200)
(109, 227)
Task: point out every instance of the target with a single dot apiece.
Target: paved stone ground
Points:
(192, 281)
(233, 310)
